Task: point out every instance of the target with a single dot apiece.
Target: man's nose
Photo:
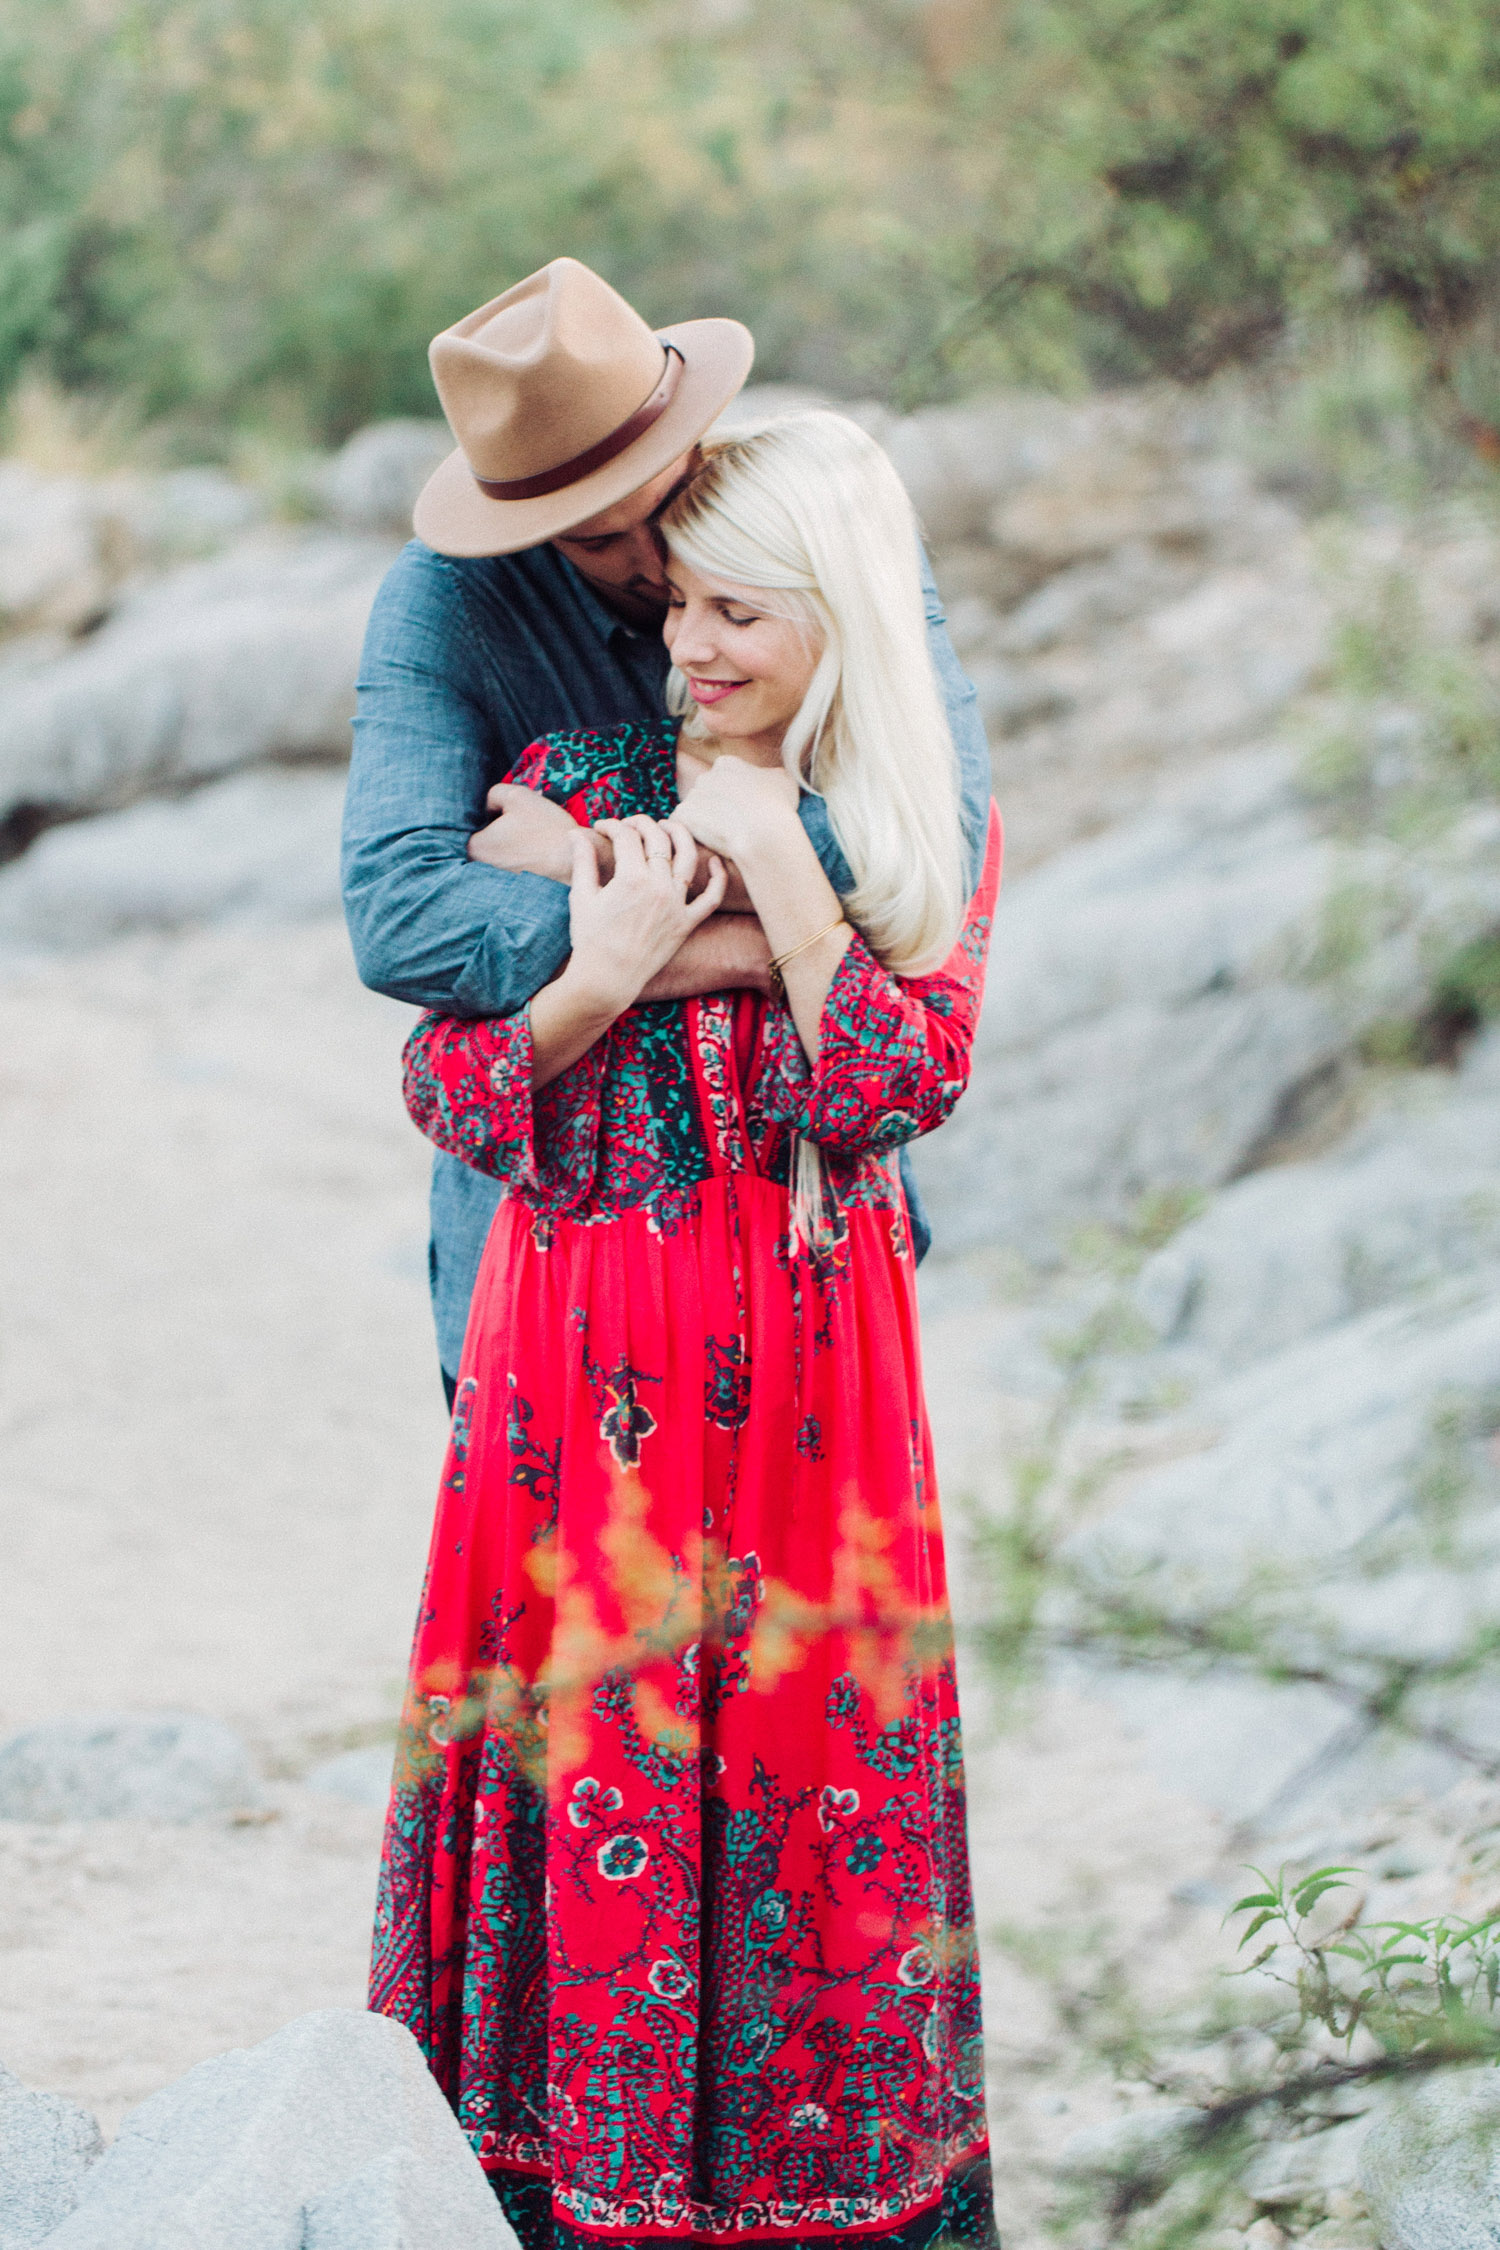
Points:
(648, 556)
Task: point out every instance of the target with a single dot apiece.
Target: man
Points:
(530, 603)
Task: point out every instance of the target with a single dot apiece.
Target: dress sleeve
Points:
(468, 1082)
(468, 1088)
(894, 1052)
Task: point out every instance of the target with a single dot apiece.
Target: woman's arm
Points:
(469, 1084)
(533, 835)
(624, 932)
(889, 1055)
(895, 1051)
(799, 909)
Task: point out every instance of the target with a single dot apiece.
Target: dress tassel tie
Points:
(811, 1225)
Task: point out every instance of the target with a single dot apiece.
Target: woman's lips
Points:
(714, 691)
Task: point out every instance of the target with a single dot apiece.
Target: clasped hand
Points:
(736, 807)
(624, 930)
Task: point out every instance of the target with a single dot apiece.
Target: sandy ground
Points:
(220, 1426)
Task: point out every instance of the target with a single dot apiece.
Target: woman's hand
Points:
(627, 929)
(624, 931)
(737, 809)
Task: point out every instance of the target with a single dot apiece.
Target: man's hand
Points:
(532, 836)
(728, 954)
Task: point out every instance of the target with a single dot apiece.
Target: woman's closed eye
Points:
(730, 616)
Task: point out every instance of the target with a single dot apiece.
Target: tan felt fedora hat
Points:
(563, 401)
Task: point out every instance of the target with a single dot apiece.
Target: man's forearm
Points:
(435, 929)
(728, 954)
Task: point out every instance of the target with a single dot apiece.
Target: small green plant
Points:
(1335, 2006)
(1427, 1994)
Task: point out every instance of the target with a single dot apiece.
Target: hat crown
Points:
(539, 375)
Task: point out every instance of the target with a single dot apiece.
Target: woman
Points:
(675, 1890)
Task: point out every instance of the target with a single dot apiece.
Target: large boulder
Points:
(1306, 1520)
(1410, 1199)
(70, 544)
(1312, 1451)
(957, 462)
(47, 2144)
(226, 663)
(1159, 998)
(1141, 2150)
(260, 847)
(401, 2202)
(372, 483)
(58, 565)
(1286, 2174)
(1430, 2169)
(331, 2135)
(169, 1766)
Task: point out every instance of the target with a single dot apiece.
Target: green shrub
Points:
(260, 210)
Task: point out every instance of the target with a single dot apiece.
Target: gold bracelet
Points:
(778, 982)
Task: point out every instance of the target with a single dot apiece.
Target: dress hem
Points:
(968, 2176)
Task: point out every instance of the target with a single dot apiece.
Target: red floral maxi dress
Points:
(675, 1888)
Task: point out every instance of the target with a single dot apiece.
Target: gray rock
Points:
(1081, 600)
(227, 663)
(1321, 1446)
(47, 2144)
(1010, 698)
(69, 545)
(262, 2148)
(169, 1766)
(373, 482)
(1144, 2146)
(1412, 1199)
(1245, 1748)
(57, 567)
(1306, 1515)
(1430, 2168)
(361, 1776)
(1286, 2173)
(398, 2202)
(955, 461)
(959, 462)
(186, 511)
(261, 847)
(1157, 997)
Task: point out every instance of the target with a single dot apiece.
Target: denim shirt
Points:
(465, 663)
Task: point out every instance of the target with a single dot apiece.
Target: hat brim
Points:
(455, 516)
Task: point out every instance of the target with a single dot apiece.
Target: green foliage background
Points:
(256, 212)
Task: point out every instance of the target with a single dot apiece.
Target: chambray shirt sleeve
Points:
(975, 781)
(427, 923)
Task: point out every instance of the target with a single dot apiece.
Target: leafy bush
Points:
(261, 209)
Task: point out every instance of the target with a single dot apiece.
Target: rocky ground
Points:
(1213, 1331)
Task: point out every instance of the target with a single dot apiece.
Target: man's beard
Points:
(638, 601)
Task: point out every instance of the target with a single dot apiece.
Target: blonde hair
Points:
(808, 511)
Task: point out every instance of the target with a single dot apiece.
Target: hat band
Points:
(584, 464)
